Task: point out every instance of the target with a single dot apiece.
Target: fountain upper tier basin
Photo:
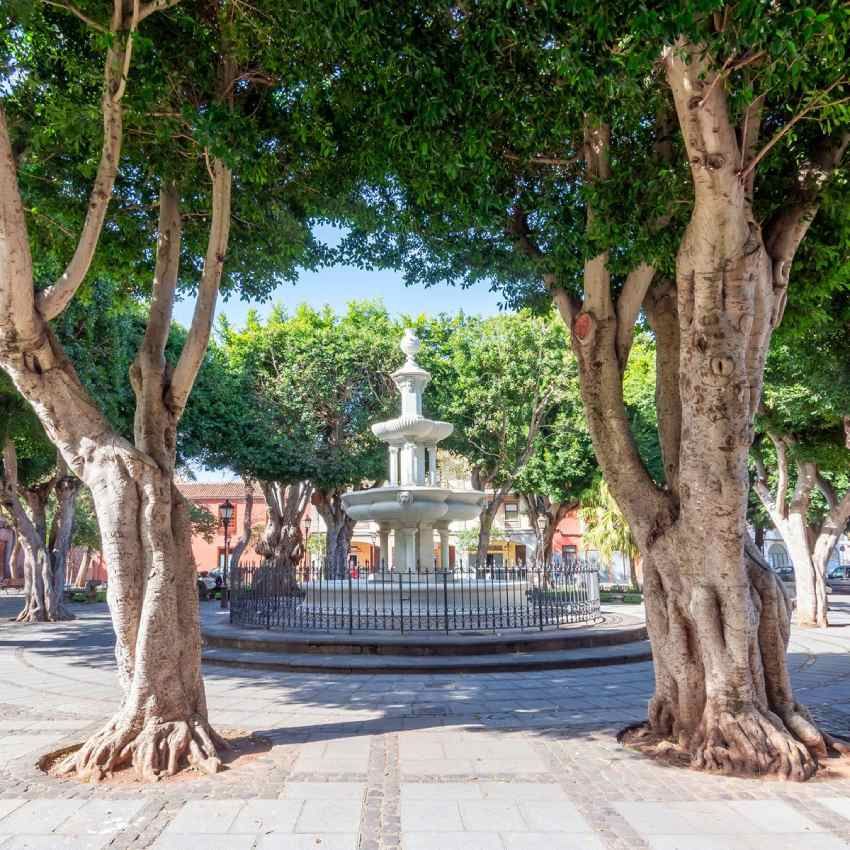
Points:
(411, 505)
(413, 428)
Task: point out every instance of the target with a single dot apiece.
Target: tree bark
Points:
(282, 542)
(83, 570)
(247, 527)
(340, 529)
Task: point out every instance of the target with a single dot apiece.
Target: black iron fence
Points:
(274, 596)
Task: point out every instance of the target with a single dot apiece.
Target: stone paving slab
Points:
(510, 761)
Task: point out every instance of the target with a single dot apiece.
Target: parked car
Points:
(838, 579)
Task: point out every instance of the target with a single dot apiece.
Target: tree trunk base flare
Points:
(153, 750)
(31, 613)
(749, 724)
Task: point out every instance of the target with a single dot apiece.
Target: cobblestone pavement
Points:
(514, 761)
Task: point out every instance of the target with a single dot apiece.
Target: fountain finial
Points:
(410, 344)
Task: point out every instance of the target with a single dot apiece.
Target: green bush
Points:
(631, 598)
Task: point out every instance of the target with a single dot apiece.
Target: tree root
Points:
(154, 750)
(749, 743)
(753, 744)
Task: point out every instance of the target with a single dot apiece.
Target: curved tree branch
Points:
(53, 300)
(199, 333)
(628, 308)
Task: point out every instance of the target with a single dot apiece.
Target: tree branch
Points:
(165, 277)
(199, 333)
(53, 300)
(749, 139)
(17, 304)
(156, 6)
(597, 279)
(786, 230)
(68, 7)
(781, 503)
(662, 314)
(826, 489)
(628, 309)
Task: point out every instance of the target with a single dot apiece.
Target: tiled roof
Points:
(233, 490)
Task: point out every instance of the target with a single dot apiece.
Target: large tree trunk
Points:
(339, 529)
(145, 524)
(718, 617)
(282, 542)
(152, 594)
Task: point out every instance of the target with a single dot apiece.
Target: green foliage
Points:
(491, 378)
(605, 527)
(467, 538)
(292, 399)
(273, 130)
(35, 453)
(204, 523)
(479, 112)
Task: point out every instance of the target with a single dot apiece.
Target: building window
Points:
(511, 514)
(778, 556)
(569, 553)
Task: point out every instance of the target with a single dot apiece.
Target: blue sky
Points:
(338, 285)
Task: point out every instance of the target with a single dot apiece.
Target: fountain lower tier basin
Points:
(410, 506)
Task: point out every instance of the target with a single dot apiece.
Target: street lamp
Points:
(225, 515)
(307, 522)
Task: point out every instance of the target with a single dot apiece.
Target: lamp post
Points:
(307, 523)
(225, 514)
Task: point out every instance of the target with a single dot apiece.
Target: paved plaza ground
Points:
(499, 761)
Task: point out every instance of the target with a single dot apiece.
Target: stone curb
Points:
(632, 653)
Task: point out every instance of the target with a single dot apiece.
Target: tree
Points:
(806, 422)
(34, 481)
(213, 100)
(621, 160)
(288, 403)
(498, 381)
(329, 374)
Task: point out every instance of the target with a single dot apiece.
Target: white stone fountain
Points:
(412, 505)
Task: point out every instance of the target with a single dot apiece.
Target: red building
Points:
(210, 554)
(566, 542)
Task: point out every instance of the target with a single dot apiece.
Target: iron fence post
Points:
(350, 611)
(446, 600)
(401, 603)
(540, 603)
